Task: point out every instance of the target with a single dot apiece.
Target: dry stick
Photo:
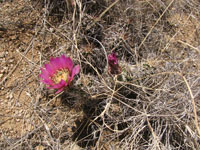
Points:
(107, 107)
(101, 15)
(78, 30)
(45, 126)
(187, 44)
(54, 98)
(25, 137)
(153, 133)
(109, 103)
(15, 67)
(129, 106)
(148, 76)
(155, 24)
(99, 75)
(188, 129)
(173, 37)
(104, 50)
(193, 104)
(22, 55)
(191, 94)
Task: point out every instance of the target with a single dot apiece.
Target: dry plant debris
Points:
(151, 103)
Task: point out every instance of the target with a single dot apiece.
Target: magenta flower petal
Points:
(44, 76)
(60, 90)
(69, 80)
(112, 58)
(61, 61)
(61, 84)
(47, 81)
(67, 62)
(114, 67)
(49, 69)
(58, 73)
(75, 70)
(44, 72)
(55, 63)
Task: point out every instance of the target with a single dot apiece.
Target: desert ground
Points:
(151, 103)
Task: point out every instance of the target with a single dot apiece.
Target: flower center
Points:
(60, 75)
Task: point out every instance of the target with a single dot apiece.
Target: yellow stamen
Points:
(59, 75)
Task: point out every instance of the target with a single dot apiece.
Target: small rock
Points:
(9, 104)
(1, 75)
(3, 60)
(21, 111)
(11, 60)
(5, 68)
(10, 96)
(51, 29)
(28, 115)
(2, 54)
(17, 120)
(18, 105)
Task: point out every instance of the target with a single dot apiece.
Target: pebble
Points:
(21, 111)
(5, 68)
(10, 95)
(11, 60)
(51, 30)
(2, 54)
(3, 60)
(18, 120)
(28, 115)
(9, 104)
(1, 75)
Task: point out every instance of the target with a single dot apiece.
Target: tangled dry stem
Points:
(153, 104)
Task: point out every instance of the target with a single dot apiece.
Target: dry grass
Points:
(152, 105)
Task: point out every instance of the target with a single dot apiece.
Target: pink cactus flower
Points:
(114, 67)
(58, 73)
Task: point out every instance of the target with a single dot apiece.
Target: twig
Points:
(193, 104)
(101, 15)
(155, 24)
(25, 137)
(153, 133)
(197, 49)
(15, 67)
